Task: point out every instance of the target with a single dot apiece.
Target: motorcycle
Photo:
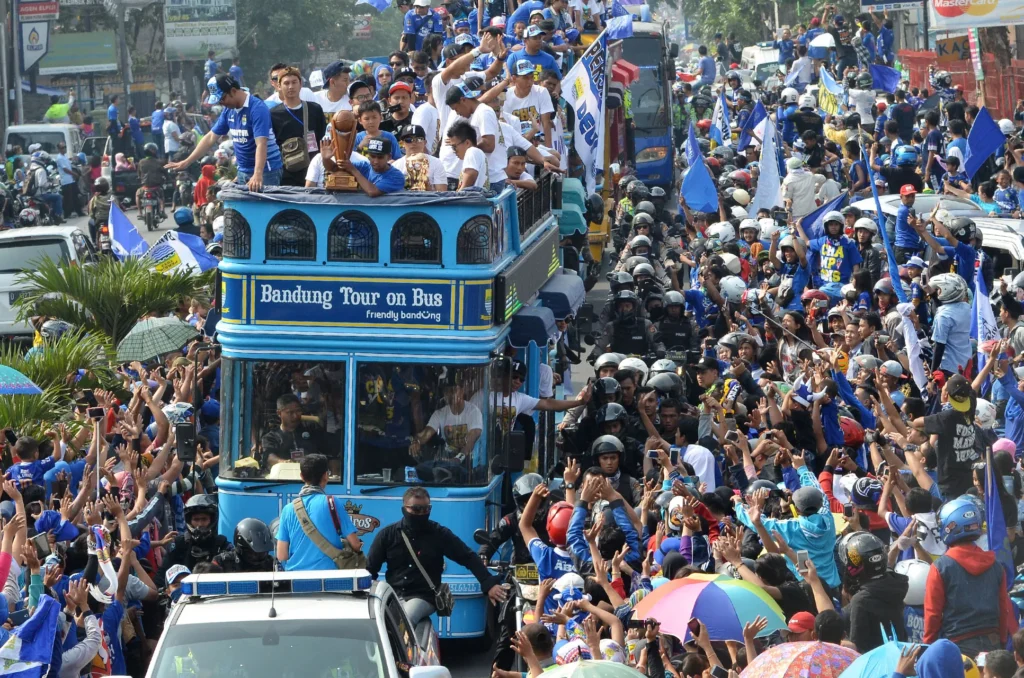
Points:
(150, 204)
(102, 232)
(183, 190)
(522, 582)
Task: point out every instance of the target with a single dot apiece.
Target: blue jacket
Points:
(815, 534)
(578, 541)
(942, 659)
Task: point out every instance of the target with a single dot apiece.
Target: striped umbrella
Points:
(812, 659)
(13, 382)
(154, 337)
(722, 603)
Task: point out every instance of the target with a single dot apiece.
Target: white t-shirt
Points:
(862, 100)
(546, 382)
(536, 103)
(485, 121)
(557, 142)
(590, 9)
(436, 176)
(475, 159)
(805, 67)
(454, 429)
(305, 94)
(315, 171)
(509, 407)
(427, 117)
(171, 144)
(446, 116)
(332, 107)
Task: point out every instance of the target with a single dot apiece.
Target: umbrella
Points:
(824, 40)
(154, 337)
(801, 660)
(878, 662)
(13, 382)
(589, 668)
(723, 604)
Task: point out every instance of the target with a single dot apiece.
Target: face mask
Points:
(175, 595)
(415, 521)
(655, 314)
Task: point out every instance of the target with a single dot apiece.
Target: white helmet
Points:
(228, 146)
(789, 96)
(867, 224)
(663, 365)
(741, 196)
(732, 263)
(985, 414)
(787, 241)
(723, 230)
(640, 241)
(847, 288)
(807, 101)
(951, 287)
(917, 572)
(1006, 126)
(737, 212)
(943, 216)
(607, 360)
(636, 365)
(768, 227)
(750, 223)
(732, 288)
(833, 216)
(218, 224)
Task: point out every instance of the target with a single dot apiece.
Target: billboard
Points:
(70, 53)
(959, 15)
(34, 43)
(193, 27)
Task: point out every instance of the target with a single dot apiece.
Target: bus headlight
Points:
(652, 154)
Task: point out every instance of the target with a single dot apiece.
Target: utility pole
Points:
(18, 99)
(3, 64)
(122, 45)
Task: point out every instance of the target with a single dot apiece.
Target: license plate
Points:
(526, 573)
(13, 296)
(149, 203)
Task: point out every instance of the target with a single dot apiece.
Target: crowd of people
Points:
(788, 396)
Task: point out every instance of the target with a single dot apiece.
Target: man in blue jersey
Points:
(420, 21)
(211, 67)
(247, 120)
(375, 175)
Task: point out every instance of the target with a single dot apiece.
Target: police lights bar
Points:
(248, 583)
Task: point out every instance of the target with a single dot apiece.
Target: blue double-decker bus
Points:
(654, 154)
(382, 316)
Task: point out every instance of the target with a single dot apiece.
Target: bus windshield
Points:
(649, 110)
(643, 51)
(422, 424)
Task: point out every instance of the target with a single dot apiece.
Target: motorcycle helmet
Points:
(950, 287)
(1006, 127)
(865, 81)
(667, 384)
(723, 230)
(624, 183)
(732, 288)
(607, 360)
(643, 273)
(732, 263)
(866, 492)
(866, 224)
(101, 185)
(646, 207)
(524, 487)
(607, 390)
(638, 192)
(642, 219)
(218, 224)
(635, 365)
(150, 150)
(751, 225)
(906, 156)
(663, 366)
(620, 280)
(811, 296)
(761, 485)
(658, 196)
(741, 177)
(634, 261)
(917, 572)
(253, 540)
(201, 504)
(807, 101)
(54, 329)
(943, 79)
(767, 227)
(789, 96)
(959, 520)
(851, 121)
(865, 556)
(985, 414)
(28, 217)
(725, 182)
(559, 516)
(963, 229)
(610, 412)
(183, 216)
(853, 432)
(724, 153)
(732, 75)
(640, 242)
(833, 216)
(737, 212)
(674, 298)
(787, 241)
(606, 445)
(741, 196)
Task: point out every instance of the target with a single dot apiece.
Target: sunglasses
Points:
(412, 140)
(418, 510)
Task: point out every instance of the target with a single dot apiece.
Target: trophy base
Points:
(340, 181)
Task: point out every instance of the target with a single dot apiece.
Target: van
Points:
(19, 248)
(46, 135)
(762, 60)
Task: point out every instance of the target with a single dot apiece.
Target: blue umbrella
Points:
(878, 662)
(13, 382)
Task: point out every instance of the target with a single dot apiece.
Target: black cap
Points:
(334, 69)
(411, 131)
(405, 72)
(357, 84)
(707, 363)
(378, 146)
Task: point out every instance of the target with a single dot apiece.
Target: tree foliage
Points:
(57, 367)
(33, 415)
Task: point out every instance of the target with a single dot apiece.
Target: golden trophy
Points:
(343, 138)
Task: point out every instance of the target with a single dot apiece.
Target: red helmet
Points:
(741, 177)
(559, 516)
(441, 12)
(882, 106)
(713, 163)
(813, 295)
(703, 125)
(853, 432)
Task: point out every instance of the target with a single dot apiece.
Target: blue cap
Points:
(216, 94)
(838, 19)
(572, 34)
(218, 237)
(211, 409)
(462, 23)
(334, 69)
(524, 67)
(467, 92)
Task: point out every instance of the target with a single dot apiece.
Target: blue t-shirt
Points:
(956, 180)
(211, 68)
(701, 305)
(541, 61)
(236, 72)
(933, 144)
(303, 554)
(906, 236)
(136, 128)
(785, 48)
(989, 207)
(885, 43)
(111, 619)
(396, 150)
(913, 621)
(551, 562)
(869, 43)
(157, 121)
(964, 256)
(952, 327)
(1007, 199)
(30, 470)
(708, 70)
(245, 125)
(422, 26)
(113, 124)
(522, 13)
(837, 257)
(389, 181)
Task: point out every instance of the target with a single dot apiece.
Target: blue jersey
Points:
(838, 256)
(1007, 199)
(869, 44)
(388, 181)
(701, 305)
(789, 132)
(211, 68)
(885, 43)
(785, 48)
(30, 470)
(522, 13)
(913, 620)
(157, 120)
(236, 72)
(245, 125)
(906, 236)
(422, 26)
(541, 61)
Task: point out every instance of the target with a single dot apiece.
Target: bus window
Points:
(649, 112)
(296, 408)
(424, 418)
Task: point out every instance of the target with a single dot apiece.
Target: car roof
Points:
(647, 27)
(288, 607)
(39, 232)
(890, 203)
(1002, 234)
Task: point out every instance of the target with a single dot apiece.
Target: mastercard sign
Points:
(949, 15)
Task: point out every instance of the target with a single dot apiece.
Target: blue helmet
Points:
(960, 520)
(183, 216)
(906, 155)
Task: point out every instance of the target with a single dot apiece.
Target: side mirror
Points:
(481, 537)
(673, 51)
(588, 339)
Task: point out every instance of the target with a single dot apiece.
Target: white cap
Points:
(421, 3)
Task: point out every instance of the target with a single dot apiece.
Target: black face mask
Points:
(414, 521)
(656, 313)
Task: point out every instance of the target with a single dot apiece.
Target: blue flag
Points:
(379, 5)
(125, 239)
(698, 187)
(620, 25)
(720, 132)
(814, 225)
(693, 155)
(983, 140)
(885, 78)
(995, 523)
(29, 649)
(753, 120)
(890, 255)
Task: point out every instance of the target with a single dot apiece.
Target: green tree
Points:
(108, 297)
(57, 366)
(33, 415)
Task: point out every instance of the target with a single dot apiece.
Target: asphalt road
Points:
(150, 236)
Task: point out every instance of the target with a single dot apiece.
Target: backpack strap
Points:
(326, 547)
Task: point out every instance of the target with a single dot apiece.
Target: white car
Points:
(320, 624)
(19, 248)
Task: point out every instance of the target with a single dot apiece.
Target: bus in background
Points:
(650, 135)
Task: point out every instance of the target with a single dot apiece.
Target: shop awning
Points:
(563, 294)
(533, 323)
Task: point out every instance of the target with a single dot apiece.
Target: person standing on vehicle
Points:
(68, 180)
(152, 175)
(414, 549)
(114, 127)
(156, 124)
(171, 133)
(135, 129)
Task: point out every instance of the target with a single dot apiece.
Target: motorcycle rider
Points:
(628, 333)
(607, 454)
(254, 548)
(153, 177)
(186, 224)
(676, 330)
(200, 543)
(613, 420)
(99, 207)
(39, 185)
(617, 282)
(606, 390)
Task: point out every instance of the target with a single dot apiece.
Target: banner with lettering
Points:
(830, 93)
(584, 90)
(952, 15)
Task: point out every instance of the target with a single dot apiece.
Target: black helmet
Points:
(645, 207)
(208, 160)
(667, 384)
(723, 153)
(725, 181)
(524, 487)
(201, 503)
(253, 539)
(850, 209)
(610, 412)
(704, 145)
(607, 390)
(642, 218)
(865, 80)
(865, 557)
(627, 295)
(761, 485)
(150, 149)
(625, 181)
(851, 120)
(101, 185)
(658, 194)
(595, 208)
(606, 445)
(963, 229)
(620, 280)
(638, 192)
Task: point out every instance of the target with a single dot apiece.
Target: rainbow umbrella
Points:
(590, 668)
(811, 659)
(722, 603)
(13, 382)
